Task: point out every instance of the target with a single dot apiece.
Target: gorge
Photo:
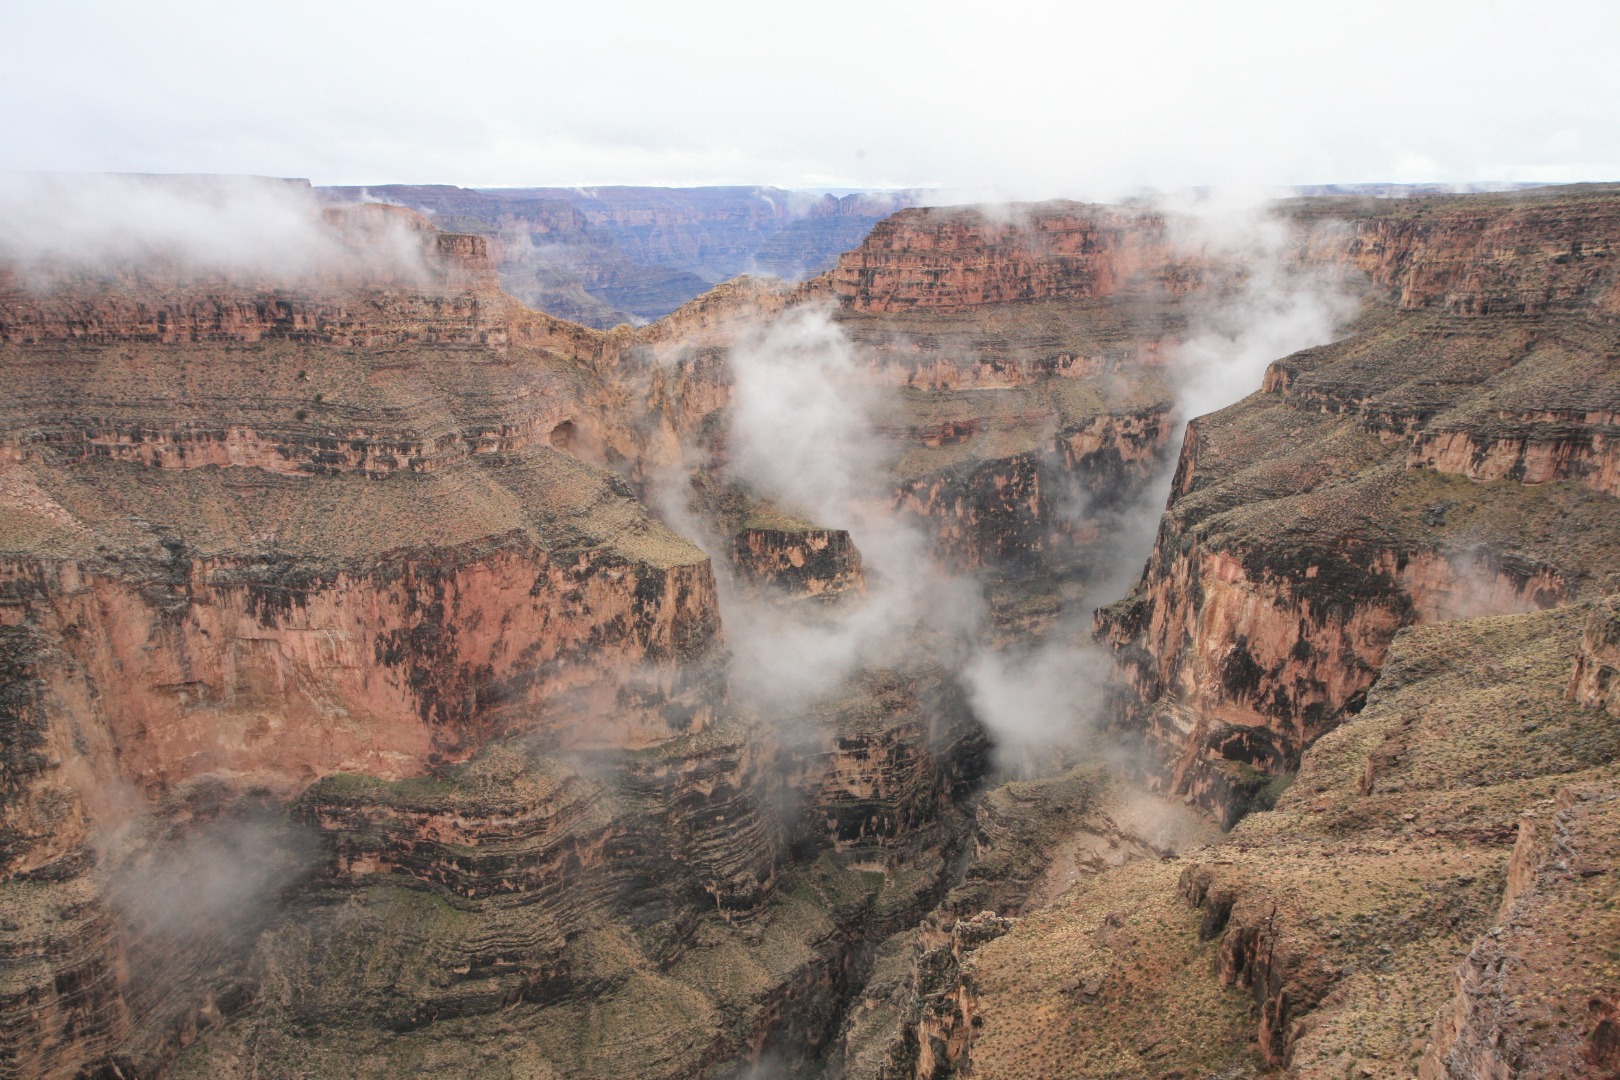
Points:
(1057, 640)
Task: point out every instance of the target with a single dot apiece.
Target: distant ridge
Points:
(605, 255)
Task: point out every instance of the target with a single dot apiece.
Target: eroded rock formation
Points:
(1364, 489)
(345, 588)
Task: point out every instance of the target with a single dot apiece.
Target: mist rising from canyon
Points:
(803, 432)
(342, 639)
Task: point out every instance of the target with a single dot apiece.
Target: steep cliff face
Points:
(1374, 483)
(800, 561)
(951, 258)
(660, 897)
(1529, 253)
(1596, 679)
(1447, 460)
(257, 539)
(884, 760)
(1007, 433)
(335, 574)
(1023, 478)
(490, 894)
(346, 542)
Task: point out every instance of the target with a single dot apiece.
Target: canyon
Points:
(895, 673)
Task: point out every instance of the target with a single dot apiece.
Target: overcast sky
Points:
(1025, 98)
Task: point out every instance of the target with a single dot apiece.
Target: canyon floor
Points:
(1057, 641)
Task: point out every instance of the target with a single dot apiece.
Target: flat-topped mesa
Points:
(348, 652)
(951, 258)
(1526, 253)
(1542, 261)
(404, 358)
(1537, 405)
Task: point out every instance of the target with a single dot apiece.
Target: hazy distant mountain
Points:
(602, 256)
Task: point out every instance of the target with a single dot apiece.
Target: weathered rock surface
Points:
(1393, 860)
(353, 541)
(253, 542)
(1445, 461)
(1595, 682)
(951, 258)
(369, 546)
(1033, 842)
(1536, 995)
(800, 561)
(1312, 520)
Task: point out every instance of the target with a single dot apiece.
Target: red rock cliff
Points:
(1408, 473)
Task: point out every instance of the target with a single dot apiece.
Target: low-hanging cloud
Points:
(233, 227)
(216, 878)
(803, 434)
(801, 427)
(1272, 304)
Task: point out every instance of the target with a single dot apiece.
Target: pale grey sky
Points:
(1022, 98)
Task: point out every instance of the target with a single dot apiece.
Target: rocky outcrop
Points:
(1323, 934)
(801, 562)
(258, 540)
(1528, 253)
(885, 759)
(1595, 682)
(1535, 449)
(651, 894)
(1534, 998)
(296, 668)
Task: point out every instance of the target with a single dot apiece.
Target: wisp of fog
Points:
(802, 434)
(210, 227)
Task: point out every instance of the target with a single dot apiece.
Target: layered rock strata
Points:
(1311, 521)
(253, 542)
(1445, 461)
(349, 542)
(952, 258)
